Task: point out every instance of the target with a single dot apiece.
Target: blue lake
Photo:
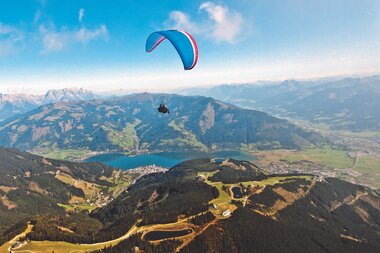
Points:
(164, 159)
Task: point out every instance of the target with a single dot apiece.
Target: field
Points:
(274, 180)
(223, 202)
(81, 206)
(365, 171)
(334, 158)
(90, 190)
(369, 167)
(65, 154)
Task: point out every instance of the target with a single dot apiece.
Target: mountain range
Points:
(132, 124)
(343, 104)
(16, 104)
(197, 206)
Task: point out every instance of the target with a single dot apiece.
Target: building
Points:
(226, 213)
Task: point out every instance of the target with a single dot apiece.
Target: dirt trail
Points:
(191, 238)
(356, 159)
(349, 202)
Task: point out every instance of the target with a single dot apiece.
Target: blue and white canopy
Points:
(182, 41)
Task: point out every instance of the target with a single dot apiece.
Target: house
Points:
(226, 213)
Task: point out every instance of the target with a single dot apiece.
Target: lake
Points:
(164, 159)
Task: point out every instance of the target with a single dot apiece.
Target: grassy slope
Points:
(127, 139)
(188, 139)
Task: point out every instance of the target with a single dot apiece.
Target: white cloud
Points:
(222, 24)
(227, 24)
(10, 39)
(84, 35)
(54, 41)
(81, 14)
(11, 33)
(181, 21)
(6, 48)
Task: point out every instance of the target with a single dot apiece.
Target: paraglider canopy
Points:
(182, 41)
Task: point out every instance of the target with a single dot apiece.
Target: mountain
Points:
(220, 206)
(289, 213)
(132, 124)
(16, 104)
(11, 105)
(67, 95)
(31, 185)
(349, 103)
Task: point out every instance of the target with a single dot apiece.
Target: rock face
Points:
(67, 95)
(132, 123)
(207, 119)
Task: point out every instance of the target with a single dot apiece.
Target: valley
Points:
(356, 167)
(346, 104)
(344, 111)
(197, 180)
(60, 128)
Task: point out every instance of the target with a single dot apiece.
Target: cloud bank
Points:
(54, 41)
(10, 38)
(181, 21)
(221, 24)
(227, 24)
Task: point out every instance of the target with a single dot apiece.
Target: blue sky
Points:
(100, 44)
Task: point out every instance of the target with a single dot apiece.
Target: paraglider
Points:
(182, 41)
(162, 108)
(185, 45)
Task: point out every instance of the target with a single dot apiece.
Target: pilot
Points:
(163, 109)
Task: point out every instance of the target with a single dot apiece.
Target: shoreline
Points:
(164, 158)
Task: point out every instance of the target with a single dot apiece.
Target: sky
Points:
(100, 45)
